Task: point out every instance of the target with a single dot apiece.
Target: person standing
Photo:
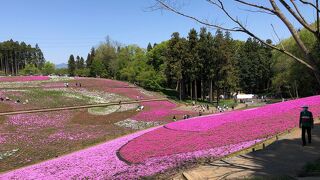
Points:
(174, 118)
(306, 123)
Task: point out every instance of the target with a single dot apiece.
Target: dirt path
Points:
(284, 157)
(78, 107)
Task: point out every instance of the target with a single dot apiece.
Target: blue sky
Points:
(64, 27)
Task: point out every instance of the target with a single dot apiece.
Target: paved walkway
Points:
(284, 157)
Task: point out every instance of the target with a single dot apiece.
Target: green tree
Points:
(30, 69)
(90, 57)
(176, 59)
(71, 65)
(48, 68)
(106, 53)
(62, 71)
(83, 72)
(157, 55)
(192, 66)
(97, 69)
(149, 48)
(81, 64)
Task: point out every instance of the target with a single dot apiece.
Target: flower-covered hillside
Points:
(213, 131)
(163, 148)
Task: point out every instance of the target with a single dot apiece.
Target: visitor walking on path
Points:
(306, 123)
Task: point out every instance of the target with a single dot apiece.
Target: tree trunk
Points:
(15, 64)
(191, 92)
(317, 75)
(195, 90)
(180, 93)
(202, 90)
(296, 89)
(210, 93)
(218, 96)
(12, 67)
(177, 86)
(183, 86)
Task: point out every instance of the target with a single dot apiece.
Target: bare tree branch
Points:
(308, 61)
(298, 11)
(220, 5)
(168, 7)
(257, 11)
(289, 26)
(311, 4)
(298, 18)
(255, 6)
(277, 37)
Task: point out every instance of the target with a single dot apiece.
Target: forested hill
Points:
(14, 56)
(199, 66)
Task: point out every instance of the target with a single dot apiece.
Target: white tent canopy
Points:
(245, 96)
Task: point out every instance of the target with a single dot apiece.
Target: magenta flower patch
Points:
(157, 111)
(23, 78)
(217, 130)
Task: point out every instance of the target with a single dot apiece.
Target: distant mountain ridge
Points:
(62, 65)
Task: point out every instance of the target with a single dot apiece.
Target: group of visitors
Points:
(201, 108)
(66, 84)
(78, 84)
(187, 116)
(16, 102)
(140, 108)
(223, 108)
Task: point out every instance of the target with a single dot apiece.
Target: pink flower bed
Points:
(206, 123)
(39, 120)
(2, 139)
(101, 162)
(54, 85)
(158, 110)
(217, 130)
(23, 78)
(154, 111)
(69, 136)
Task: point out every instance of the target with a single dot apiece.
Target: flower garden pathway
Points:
(285, 157)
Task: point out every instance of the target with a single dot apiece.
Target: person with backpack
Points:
(306, 123)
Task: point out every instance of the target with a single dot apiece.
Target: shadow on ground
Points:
(284, 158)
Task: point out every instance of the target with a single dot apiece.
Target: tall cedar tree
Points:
(149, 48)
(71, 65)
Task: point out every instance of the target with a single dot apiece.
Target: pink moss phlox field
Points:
(2, 139)
(61, 135)
(39, 120)
(23, 78)
(157, 110)
(54, 85)
(98, 162)
(194, 135)
(270, 111)
(122, 88)
(154, 111)
(101, 162)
